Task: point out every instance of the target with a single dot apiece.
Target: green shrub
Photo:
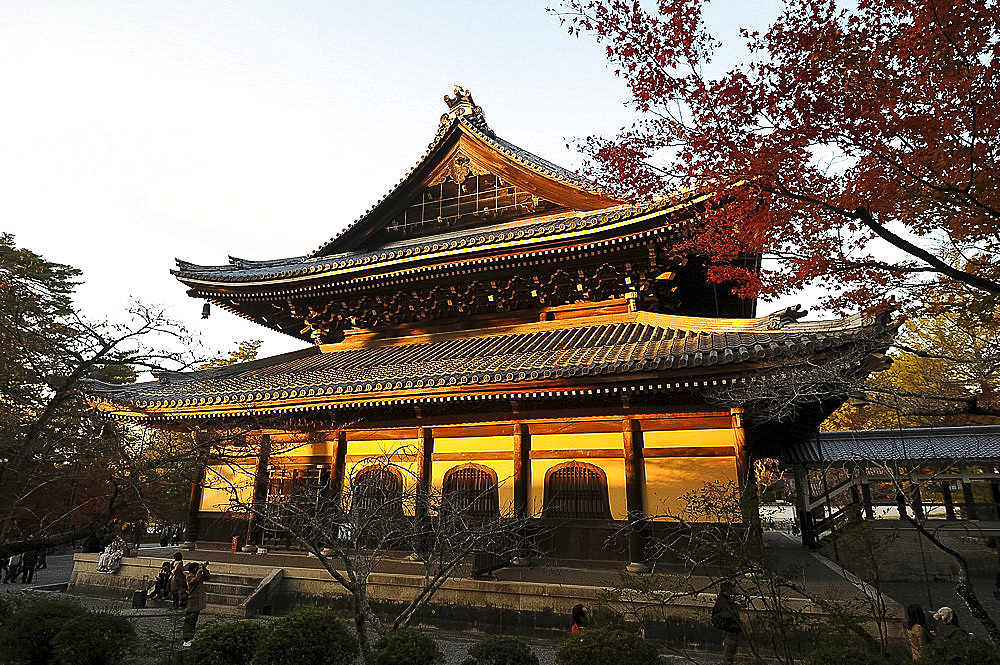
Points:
(960, 651)
(26, 635)
(308, 636)
(500, 650)
(407, 647)
(232, 643)
(603, 646)
(93, 638)
(842, 655)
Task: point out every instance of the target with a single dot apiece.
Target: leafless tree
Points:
(382, 511)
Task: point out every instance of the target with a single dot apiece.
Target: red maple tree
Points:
(856, 149)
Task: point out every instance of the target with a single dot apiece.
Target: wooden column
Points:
(339, 464)
(201, 442)
(425, 453)
(995, 490)
(949, 502)
(522, 470)
(969, 509)
(803, 513)
(259, 491)
(901, 504)
(866, 494)
(632, 441)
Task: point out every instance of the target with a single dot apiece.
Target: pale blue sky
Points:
(134, 132)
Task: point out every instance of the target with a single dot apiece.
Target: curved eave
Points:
(430, 255)
(642, 384)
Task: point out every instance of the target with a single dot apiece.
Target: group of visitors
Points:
(111, 558)
(919, 630)
(170, 535)
(24, 564)
(184, 585)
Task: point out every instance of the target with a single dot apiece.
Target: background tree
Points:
(855, 148)
(64, 472)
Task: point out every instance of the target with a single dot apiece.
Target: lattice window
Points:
(472, 490)
(474, 200)
(576, 490)
(378, 490)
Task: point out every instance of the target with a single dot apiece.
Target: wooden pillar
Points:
(949, 502)
(901, 504)
(522, 469)
(632, 440)
(425, 452)
(803, 513)
(339, 464)
(201, 442)
(969, 509)
(995, 490)
(259, 492)
(866, 500)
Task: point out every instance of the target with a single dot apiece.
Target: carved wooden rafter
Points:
(323, 320)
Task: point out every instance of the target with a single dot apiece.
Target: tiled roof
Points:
(525, 359)
(532, 230)
(918, 443)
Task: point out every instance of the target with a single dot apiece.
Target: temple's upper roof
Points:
(590, 356)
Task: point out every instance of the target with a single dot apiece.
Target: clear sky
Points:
(135, 132)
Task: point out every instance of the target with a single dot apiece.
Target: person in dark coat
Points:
(579, 618)
(726, 617)
(161, 589)
(197, 575)
(28, 562)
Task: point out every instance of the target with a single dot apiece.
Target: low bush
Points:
(960, 651)
(231, 643)
(26, 635)
(307, 636)
(603, 646)
(93, 638)
(843, 655)
(500, 650)
(407, 647)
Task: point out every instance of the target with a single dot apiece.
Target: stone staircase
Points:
(228, 593)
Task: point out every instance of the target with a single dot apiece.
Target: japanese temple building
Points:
(509, 326)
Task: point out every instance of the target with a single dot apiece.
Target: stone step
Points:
(224, 599)
(236, 580)
(233, 589)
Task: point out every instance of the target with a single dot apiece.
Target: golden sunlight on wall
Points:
(453, 451)
(667, 478)
(221, 481)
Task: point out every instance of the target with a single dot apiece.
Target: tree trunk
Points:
(364, 625)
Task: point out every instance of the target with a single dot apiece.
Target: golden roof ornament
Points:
(460, 105)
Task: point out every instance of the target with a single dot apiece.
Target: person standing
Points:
(178, 582)
(579, 619)
(28, 562)
(13, 566)
(197, 575)
(917, 631)
(726, 617)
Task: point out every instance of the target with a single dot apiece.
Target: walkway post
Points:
(202, 444)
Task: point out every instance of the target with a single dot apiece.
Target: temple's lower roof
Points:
(587, 356)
